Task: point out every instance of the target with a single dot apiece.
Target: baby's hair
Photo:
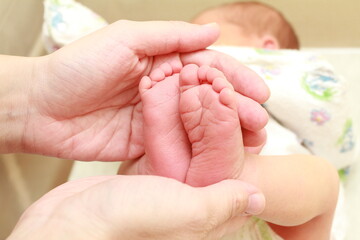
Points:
(258, 18)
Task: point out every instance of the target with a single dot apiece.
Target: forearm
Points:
(297, 188)
(16, 74)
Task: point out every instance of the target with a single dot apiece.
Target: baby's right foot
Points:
(209, 114)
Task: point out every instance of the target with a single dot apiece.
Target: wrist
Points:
(16, 79)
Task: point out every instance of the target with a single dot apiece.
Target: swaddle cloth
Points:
(307, 97)
(67, 20)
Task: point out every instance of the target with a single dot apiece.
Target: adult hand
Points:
(84, 101)
(138, 207)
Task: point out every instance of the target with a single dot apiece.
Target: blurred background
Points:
(24, 178)
(319, 23)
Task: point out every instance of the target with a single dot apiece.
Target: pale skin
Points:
(82, 102)
(193, 115)
(137, 208)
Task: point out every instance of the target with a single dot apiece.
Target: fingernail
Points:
(211, 25)
(256, 204)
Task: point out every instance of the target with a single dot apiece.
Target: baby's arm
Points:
(300, 190)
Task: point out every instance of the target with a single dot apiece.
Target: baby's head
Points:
(250, 24)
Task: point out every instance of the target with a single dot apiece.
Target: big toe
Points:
(189, 77)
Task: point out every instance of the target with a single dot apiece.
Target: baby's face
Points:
(233, 35)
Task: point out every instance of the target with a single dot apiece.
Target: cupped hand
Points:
(84, 101)
(138, 207)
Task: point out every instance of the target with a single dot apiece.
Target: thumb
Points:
(162, 37)
(232, 198)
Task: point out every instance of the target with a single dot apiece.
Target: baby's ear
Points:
(270, 42)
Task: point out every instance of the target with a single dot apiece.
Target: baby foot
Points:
(166, 144)
(209, 115)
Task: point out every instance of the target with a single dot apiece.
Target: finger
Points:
(231, 198)
(252, 115)
(162, 37)
(254, 139)
(244, 80)
(254, 150)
